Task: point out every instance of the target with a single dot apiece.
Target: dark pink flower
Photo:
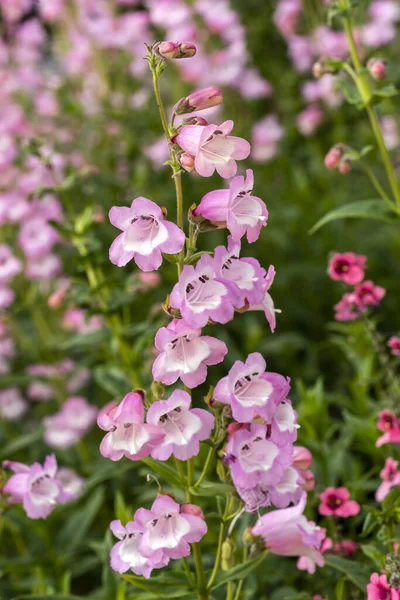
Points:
(394, 345)
(379, 589)
(390, 425)
(349, 308)
(390, 476)
(347, 267)
(336, 502)
(367, 293)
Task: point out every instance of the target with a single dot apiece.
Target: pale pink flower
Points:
(309, 120)
(70, 424)
(349, 308)
(9, 264)
(12, 405)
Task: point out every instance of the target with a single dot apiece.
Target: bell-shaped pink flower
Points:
(9, 264)
(36, 487)
(390, 476)
(250, 390)
(127, 434)
(287, 532)
(379, 589)
(69, 425)
(213, 148)
(200, 295)
(284, 424)
(347, 267)
(126, 554)
(36, 237)
(288, 489)
(183, 427)
(335, 502)
(390, 425)
(12, 405)
(254, 459)
(244, 276)
(167, 530)
(185, 353)
(237, 208)
(267, 304)
(146, 234)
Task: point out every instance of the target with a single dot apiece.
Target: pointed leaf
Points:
(240, 571)
(355, 572)
(362, 209)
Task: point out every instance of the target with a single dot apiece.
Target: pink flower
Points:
(7, 297)
(36, 487)
(167, 530)
(302, 458)
(254, 460)
(213, 148)
(12, 405)
(287, 532)
(127, 434)
(73, 484)
(367, 293)
(185, 353)
(77, 320)
(309, 119)
(349, 308)
(346, 547)
(199, 100)
(250, 390)
(146, 234)
(394, 345)
(243, 213)
(391, 478)
(70, 424)
(51, 10)
(9, 264)
(379, 589)
(337, 503)
(267, 304)
(265, 137)
(286, 16)
(347, 267)
(43, 268)
(390, 425)
(183, 427)
(200, 295)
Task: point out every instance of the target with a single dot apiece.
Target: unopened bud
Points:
(344, 167)
(187, 50)
(309, 481)
(334, 156)
(302, 458)
(318, 70)
(228, 555)
(195, 121)
(192, 509)
(199, 100)
(186, 161)
(377, 68)
(248, 537)
(168, 49)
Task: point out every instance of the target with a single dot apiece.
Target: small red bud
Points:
(377, 68)
(344, 167)
(199, 100)
(195, 121)
(192, 509)
(186, 161)
(334, 156)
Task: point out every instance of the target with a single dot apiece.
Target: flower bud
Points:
(191, 509)
(309, 481)
(194, 121)
(199, 100)
(344, 167)
(248, 536)
(228, 555)
(377, 68)
(332, 159)
(186, 161)
(302, 458)
(318, 70)
(187, 50)
(168, 49)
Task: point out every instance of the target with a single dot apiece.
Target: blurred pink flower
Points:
(336, 502)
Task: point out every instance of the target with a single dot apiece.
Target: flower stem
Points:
(378, 186)
(156, 77)
(218, 555)
(365, 91)
(229, 591)
(241, 582)
(205, 468)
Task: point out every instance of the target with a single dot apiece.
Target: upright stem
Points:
(364, 88)
(229, 591)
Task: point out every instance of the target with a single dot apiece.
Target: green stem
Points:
(229, 591)
(177, 176)
(198, 561)
(205, 468)
(241, 582)
(179, 468)
(218, 555)
(364, 89)
(378, 186)
(160, 105)
(188, 572)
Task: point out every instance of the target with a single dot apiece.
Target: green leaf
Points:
(386, 92)
(355, 572)
(351, 93)
(113, 380)
(21, 442)
(374, 554)
(167, 585)
(47, 597)
(362, 209)
(165, 471)
(240, 571)
(369, 525)
(171, 258)
(210, 489)
(77, 526)
(392, 499)
(85, 341)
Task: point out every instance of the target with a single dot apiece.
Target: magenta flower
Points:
(267, 304)
(349, 308)
(287, 532)
(36, 487)
(127, 434)
(347, 267)
(243, 213)
(126, 554)
(200, 295)
(146, 234)
(185, 353)
(243, 276)
(12, 405)
(9, 264)
(250, 390)
(254, 459)
(182, 426)
(167, 530)
(379, 589)
(390, 425)
(336, 503)
(390, 476)
(394, 345)
(70, 424)
(213, 148)
(367, 293)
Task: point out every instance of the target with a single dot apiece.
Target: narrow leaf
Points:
(362, 209)
(240, 571)
(355, 572)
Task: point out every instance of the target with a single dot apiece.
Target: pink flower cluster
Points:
(349, 268)
(156, 536)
